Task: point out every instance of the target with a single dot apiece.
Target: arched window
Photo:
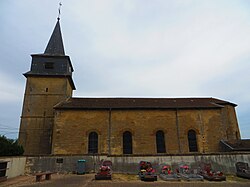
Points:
(192, 142)
(160, 142)
(127, 143)
(93, 143)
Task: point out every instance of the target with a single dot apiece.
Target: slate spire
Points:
(55, 45)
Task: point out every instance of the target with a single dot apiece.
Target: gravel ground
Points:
(118, 180)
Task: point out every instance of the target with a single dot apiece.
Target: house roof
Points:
(141, 103)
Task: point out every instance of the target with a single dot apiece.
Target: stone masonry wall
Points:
(41, 94)
(129, 164)
(72, 127)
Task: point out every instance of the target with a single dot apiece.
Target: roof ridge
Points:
(142, 103)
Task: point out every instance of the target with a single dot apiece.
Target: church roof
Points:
(236, 145)
(55, 45)
(141, 103)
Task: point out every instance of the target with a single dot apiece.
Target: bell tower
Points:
(48, 82)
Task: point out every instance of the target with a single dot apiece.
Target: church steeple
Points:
(53, 62)
(55, 45)
(49, 82)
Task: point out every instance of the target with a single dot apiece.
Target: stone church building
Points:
(54, 122)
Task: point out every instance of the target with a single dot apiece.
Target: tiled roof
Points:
(141, 103)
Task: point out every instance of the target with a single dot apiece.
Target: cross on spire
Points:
(59, 11)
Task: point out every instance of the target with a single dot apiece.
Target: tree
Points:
(9, 147)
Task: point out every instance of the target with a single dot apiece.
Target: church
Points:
(53, 122)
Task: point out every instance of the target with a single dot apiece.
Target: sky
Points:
(131, 48)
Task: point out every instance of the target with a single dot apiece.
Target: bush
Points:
(9, 147)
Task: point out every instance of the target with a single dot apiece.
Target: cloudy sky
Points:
(126, 48)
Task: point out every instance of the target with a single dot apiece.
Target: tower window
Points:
(192, 142)
(49, 65)
(127, 143)
(47, 89)
(93, 143)
(160, 142)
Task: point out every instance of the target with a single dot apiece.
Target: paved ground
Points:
(118, 180)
